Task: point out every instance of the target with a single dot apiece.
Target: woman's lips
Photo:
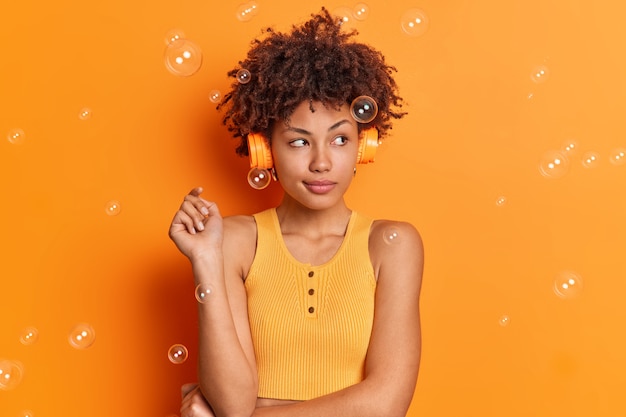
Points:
(319, 187)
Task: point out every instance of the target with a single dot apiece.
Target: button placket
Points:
(311, 294)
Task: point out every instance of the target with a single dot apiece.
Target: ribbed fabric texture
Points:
(310, 325)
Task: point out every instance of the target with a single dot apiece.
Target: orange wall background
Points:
(511, 164)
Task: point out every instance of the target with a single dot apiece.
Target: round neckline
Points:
(293, 259)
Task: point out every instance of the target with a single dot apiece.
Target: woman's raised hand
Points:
(197, 225)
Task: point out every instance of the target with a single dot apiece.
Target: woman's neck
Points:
(295, 218)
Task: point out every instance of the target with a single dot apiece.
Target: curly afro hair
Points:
(314, 62)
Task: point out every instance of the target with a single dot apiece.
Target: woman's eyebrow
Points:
(306, 132)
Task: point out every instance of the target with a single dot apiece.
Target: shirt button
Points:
(311, 309)
(311, 291)
(311, 273)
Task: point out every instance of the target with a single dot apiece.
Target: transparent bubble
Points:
(259, 178)
(364, 109)
(346, 17)
(243, 76)
(10, 374)
(247, 11)
(568, 284)
(183, 57)
(29, 336)
(202, 292)
(82, 336)
(174, 35)
(16, 136)
(26, 413)
(414, 22)
(391, 235)
(504, 320)
(501, 201)
(570, 147)
(590, 159)
(215, 96)
(84, 113)
(553, 164)
(361, 11)
(618, 156)
(540, 74)
(112, 208)
(177, 354)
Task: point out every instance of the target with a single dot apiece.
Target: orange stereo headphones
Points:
(261, 155)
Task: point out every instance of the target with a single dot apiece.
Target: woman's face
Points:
(315, 154)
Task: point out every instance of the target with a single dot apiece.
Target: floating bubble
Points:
(215, 96)
(112, 208)
(82, 336)
(540, 74)
(29, 336)
(414, 22)
(568, 284)
(247, 11)
(345, 16)
(501, 201)
(364, 109)
(177, 354)
(570, 147)
(391, 235)
(202, 292)
(10, 374)
(361, 11)
(183, 57)
(618, 156)
(243, 76)
(504, 320)
(259, 178)
(16, 136)
(174, 35)
(553, 164)
(84, 113)
(26, 413)
(590, 159)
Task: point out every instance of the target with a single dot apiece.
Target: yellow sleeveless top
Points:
(310, 325)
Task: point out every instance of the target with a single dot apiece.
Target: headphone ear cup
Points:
(368, 143)
(259, 152)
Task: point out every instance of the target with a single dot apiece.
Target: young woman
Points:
(308, 308)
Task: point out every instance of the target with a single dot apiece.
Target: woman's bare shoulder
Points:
(392, 242)
(239, 242)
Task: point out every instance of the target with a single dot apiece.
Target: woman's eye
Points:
(340, 140)
(298, 143)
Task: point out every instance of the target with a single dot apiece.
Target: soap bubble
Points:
(391, 235)
(84, 113)
(346, 18)
(259, 178)
(618, 156)
(570, 147)
(243, 76)
(553, 164)
(504, 320)
(364, 109)
(202, 292)
(215, 96)
(540, 74)
(82, 336)
(590, 159)
(16, 136)
(247, 11)
(183, 57)
(501, 201)
(414, 22)
(568, 284)
(174, 35)
(361, 11)
(29, 336)
(10, 374)
(112, 208)
(26, 413)
(177, 354)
